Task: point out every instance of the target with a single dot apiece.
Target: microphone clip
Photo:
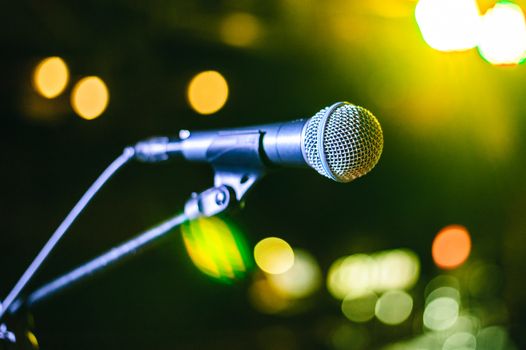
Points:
(231, 180)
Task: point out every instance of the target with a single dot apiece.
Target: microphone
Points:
(341, 142)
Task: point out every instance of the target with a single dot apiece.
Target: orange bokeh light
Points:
(451, 247)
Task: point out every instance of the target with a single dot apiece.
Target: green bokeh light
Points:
(217, 248)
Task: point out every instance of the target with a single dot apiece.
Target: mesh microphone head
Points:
(342, 142)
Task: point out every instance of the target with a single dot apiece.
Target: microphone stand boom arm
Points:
(231, 183)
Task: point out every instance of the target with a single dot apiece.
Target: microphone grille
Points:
(343, 142)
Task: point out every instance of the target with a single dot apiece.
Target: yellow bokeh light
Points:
(503, 34)
(301, 280)
(266, 299)
(359, 308)
(273, 255)
(90, 97)
(240, 29)
(448, 25)
(394, 307)
(207, 92)
(359, 273)
(216, 248)
(32, 340)
(50, 77)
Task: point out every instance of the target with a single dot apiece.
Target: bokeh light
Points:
(50, 77)
(443, 292)
(448, 25)
(240, 29)
(493, 338)
(32, 340)
(207, 92)
(266, 299)
(460, 340)
(394, 307)
(301, 280)
(273, 255)
(503, 34)
(354, 274)
(90, 97)
(451, 247)
(359, 308)
(217, 249)
(441, 313)
(396, 269)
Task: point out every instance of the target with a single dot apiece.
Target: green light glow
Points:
(216, 248)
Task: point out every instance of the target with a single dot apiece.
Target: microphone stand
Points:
(232, 181)
(208, 203)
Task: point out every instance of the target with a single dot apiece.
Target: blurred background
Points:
(425, 252)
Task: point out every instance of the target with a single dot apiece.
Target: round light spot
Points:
(351, 275)
(494, 338)
(240, 29)
(90, 97)
(448, 25)
(50, 77)
(394, 307)
(207, 92)
(440, 292)
(301, 280)
(396, 269)
(265, 299)
(451, 247)
(460, 341)
(273, 255)
(441, 313)
(503, 34)
(359, 308)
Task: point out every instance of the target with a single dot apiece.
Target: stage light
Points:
(207, 92)
(441, 313)
(451, 247)
(359, 308)
(448, 25)
(273, 255)
(216, 248)
(503, 34)
(50, 77)
(394, 307)
(301, 280)
(90, 97)
(240, 29)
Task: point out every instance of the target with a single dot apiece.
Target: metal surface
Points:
(343, 143)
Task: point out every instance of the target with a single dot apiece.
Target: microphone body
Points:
(278, 144)
(341, 142)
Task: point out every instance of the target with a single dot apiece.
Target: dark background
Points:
(454, 129)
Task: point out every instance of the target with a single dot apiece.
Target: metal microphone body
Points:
(341, 142)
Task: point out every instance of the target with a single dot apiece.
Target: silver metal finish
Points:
(342, 142)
